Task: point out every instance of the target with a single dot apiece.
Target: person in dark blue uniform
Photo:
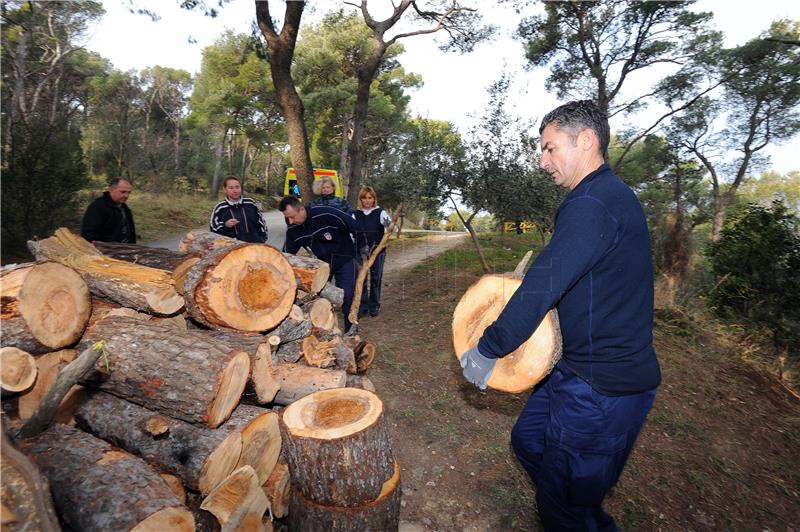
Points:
(238, 217)
(372, 221)
(329, 234)
(576, 431)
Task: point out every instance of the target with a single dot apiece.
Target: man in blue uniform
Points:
(579, 425)
(330, 235)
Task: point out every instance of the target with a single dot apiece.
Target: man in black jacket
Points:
(108, 218)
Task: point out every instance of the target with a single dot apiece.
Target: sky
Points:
(454, 86)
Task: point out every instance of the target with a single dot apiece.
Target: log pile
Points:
(173, 417)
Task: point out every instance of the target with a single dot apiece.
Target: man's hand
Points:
(231, 222)
(477, 368)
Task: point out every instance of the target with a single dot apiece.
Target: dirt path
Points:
(407, 253)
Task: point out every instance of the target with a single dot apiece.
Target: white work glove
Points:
(477, 368)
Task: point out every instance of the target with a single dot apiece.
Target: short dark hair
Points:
(228, 178)
(578, 115)
(289, 200)
(114, 181)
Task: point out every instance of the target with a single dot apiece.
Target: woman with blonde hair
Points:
(325, 189)
(373, 221)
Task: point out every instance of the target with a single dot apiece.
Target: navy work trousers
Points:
(371, 292)
(344, 272)
(573, 442)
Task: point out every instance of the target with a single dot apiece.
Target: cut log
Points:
(183, 375)
(249, 287)
(365, 356)
(339, 348)
(277, 488)
(334, 294)
(203, 521)
(317, 353)
(262, 383)
(293, 327)
(147, 289)
(320, 312)
(17, 370)
(338, 447)
(179, 273)
(199, 456)
(160, 258)
(360, 381)
(289, 352)
(381, 514)
(298, 381)
(44, 307)
(480, 305)
(27, 503)
(176, 485)
(48, 367)
(238, 502)
(91, 482)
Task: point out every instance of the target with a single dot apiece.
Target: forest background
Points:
(693, 121)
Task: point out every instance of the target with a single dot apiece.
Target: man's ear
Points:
(587, 139)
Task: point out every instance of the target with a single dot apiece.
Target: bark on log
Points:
(147, 289)
(294, 327)
(27, 503)
(360, 381)
(338, 447)
(199, 456)
(298, 381)
(311, 274)
(43, 307)
(480, 305)
(334, 294)
(238, 502)
(17, 370)
(160, 258)
(249, 287)
(183, 375)
(48, 367)
(92, 484)
(289, 352)
(277, 488)
(383, 513)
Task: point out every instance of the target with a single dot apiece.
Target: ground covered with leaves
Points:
(719, 449)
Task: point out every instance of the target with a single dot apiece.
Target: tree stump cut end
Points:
(333, 414)
(18, 369)
(478, 308)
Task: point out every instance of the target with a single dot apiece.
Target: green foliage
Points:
(757, 265)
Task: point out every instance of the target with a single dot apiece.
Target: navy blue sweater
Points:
(371, 226)
(326, 232)
(597, 272)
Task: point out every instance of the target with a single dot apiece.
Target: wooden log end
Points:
(18, 370)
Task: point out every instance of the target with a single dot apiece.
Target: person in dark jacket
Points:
(238, 217)
(372, 221)
(108, 218)
(325, 189)
(329, 234)
(576, 431)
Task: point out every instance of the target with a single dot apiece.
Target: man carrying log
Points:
(578, 427)
(329, 234)
(108, 218)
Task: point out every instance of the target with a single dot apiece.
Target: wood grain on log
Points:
(338, 447)
(43, 307)
(27, 503)
(277, 488)
(92, 484)
(176, 485)
(261, 441)
(237, 499)
(480, 305)
(249, 287)
(48, 366)
(320, 312)
(17, 370)
(310, 274)
(298, 381)
(130, 285)
(160, 258)
(383, 513)
(183, 375)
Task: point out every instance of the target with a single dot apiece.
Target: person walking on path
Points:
(238, 217)
(372, 221)
(575, 433)
(108, 218)
(325, 189)
(329, 234)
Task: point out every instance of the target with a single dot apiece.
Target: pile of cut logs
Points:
(206, 389)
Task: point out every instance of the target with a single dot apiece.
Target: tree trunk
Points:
(27, 503)
(277, 489)
(478, 308)
(261, 440)
(280, 52)
(248, 287)
(334, 294)
(92, 484)
(48, 367)
(159, 258)
(215, 182)
(338, 447)
(45, 307)
(383, 513)
(311, 274)
(320, 313)
(298, 381)
(183, 375)
(139, 287)
(17, 370)
(238, 502)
